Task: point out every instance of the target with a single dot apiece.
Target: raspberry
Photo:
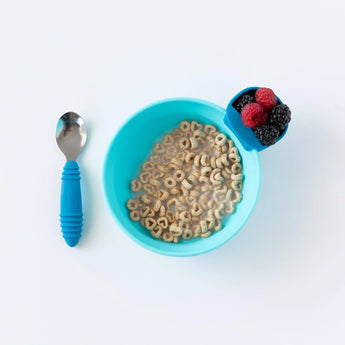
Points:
(266, 134)
(279, 116)
(252, 115)
(266, 98)
(243, 101)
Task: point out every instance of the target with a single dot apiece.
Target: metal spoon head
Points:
(71, 135)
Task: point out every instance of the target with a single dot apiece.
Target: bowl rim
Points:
(143, 244)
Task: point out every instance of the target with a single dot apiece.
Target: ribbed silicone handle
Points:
(71, 216)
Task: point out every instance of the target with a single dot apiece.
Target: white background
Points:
(281, 280)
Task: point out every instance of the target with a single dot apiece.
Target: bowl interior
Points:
(133, 144)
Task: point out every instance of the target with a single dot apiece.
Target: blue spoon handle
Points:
(71, 216)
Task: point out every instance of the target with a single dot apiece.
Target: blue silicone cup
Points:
(234, 122)
(133, 144)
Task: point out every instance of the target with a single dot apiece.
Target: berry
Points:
(266, 98)
(264, 118)
(266, 134)
(252, 115)
(280, 116)
(243, 101)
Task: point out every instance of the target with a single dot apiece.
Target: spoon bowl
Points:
(71, 135)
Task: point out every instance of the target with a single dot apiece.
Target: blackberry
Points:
(266, 134)
(243, 101)
(279, 116)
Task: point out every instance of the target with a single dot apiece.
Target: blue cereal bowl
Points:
(132, 145)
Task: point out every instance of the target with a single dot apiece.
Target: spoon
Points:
(71, 138)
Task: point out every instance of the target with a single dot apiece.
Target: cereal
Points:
(217, 225)
(167, 237)
(150, 223)
(229, 208)
(159, 148)
(185, 216)
(144, 211)
(175, 191)
(199, 134)
(237, 177)
(162, 194)
(132, 204)
(170, 216)
(177, 133)
(195, 126)
(184, 143)
(225, 174)
(194, 193)
(210, 223)
(224, 159)
(169, 182)
(146, 199)
(145, 177)
(234, 151)
(205, 160)
(238, 197)
(134, 215)
(189, 157)
(157, 205)
(185, 126)
(192, 179)
(220, 139)
(187, 234)
(165, 160)
(203, 226)
(180, 155)
(187, 168)
(171, 204)
(196, 209)
(148, 166)
(196, 230)
(204, 179)
(156, 174)
(155, 182)
(162, 168)
(157, 232)
(177, 162)
(168, 140)
(206, 234)
(149, 189)
(151, 213)
(210, 204)
(234, 158)
(193, 142)
(186, 184)
(236, 168)
(170, 151)
(206, 171)
(163, 222)
(136, 186)
(210, 129)
(162, 211)
(197, 160)
(155, 159)
(189, 200)
(185, 191)
(191, 182)
(236, 185)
